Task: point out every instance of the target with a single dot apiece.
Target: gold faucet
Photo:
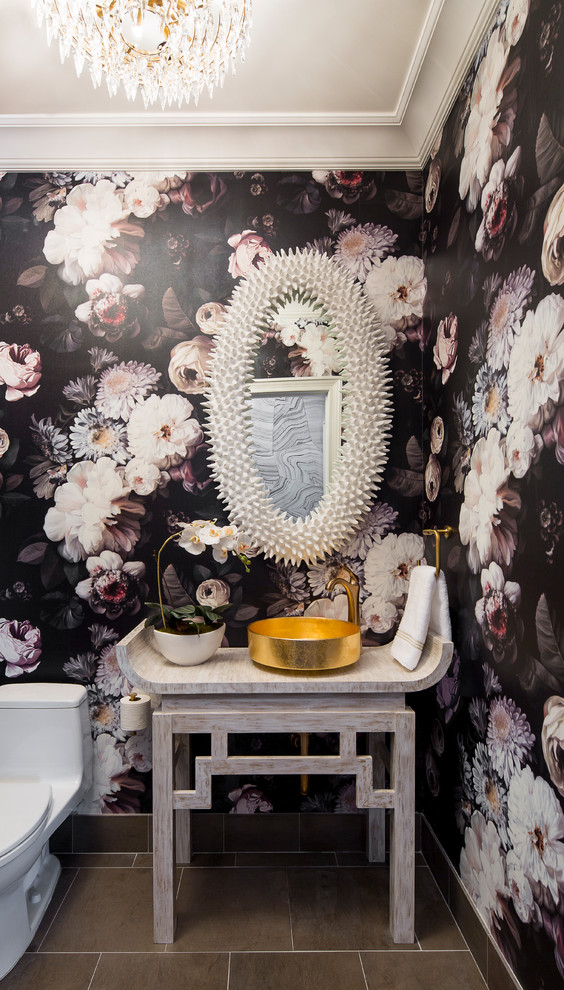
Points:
(351, 584)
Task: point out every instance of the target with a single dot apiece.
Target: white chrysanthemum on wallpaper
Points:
(361, 247)
(93, 435)
(490, 791)
(509, 737)
(482, 868)
(489, 402)
(488, 514)
(109, 677)
(378, 522)
(536, 827)
(506, 314)
(124, 385)
(92, 235)
(161, 430)
(320, 573)
(536, 366)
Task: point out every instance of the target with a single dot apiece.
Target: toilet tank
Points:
(45, 732)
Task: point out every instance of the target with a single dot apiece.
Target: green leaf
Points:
(32, 277)
(409, 206)
(162, 335)
(11, 455)
(12, 498)
(550, 640)
(535, 209)
(414, 455)
(549, 153)
(51, 571)
(184, 612)
(32, 554)
(174, 314)
(409, 483)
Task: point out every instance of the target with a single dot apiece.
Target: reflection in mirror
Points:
(295, 431)
(298, 341)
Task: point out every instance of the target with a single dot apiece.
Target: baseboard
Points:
(212, 832)
(493, 967)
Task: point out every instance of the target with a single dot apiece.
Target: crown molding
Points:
(149, 120)
(402, 139)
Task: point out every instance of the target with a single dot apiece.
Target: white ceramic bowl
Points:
(188, 650)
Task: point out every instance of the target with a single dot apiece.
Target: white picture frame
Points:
(296, 461)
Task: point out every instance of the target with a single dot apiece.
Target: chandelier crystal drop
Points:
(167, 49)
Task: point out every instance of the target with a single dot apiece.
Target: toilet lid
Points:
(24, 806)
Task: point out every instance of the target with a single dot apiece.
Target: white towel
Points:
(426, 608)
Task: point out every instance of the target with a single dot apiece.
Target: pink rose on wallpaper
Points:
(20, 370)
(20, 646)
(247, 800)
(552, 739)
(551, 256)
(189, 364)
(250, 250)
(445, 351)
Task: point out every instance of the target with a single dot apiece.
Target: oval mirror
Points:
(341, 484)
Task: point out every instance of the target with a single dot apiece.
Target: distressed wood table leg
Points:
(376, 825)
(182, 782)
(402, 833)
(163, 829)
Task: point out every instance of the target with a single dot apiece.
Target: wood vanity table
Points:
(230, 694)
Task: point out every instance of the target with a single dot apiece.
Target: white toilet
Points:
(45, 768)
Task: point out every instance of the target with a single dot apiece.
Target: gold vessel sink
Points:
(308, 643)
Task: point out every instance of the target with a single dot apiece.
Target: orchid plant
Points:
(206, 612)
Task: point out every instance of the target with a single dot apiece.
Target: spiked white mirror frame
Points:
(316, 280)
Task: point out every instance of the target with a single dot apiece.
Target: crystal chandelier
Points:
(168, 49)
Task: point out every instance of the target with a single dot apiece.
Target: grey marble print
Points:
(288, 441)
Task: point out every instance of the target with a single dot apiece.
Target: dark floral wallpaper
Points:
(494, 448)
(112, 290)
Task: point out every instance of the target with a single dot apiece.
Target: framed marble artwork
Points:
(296, 437)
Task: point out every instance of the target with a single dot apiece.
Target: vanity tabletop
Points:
(231, 671)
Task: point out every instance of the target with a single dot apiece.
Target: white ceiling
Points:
(327, 83)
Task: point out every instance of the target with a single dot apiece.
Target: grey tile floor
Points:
(246, 921)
